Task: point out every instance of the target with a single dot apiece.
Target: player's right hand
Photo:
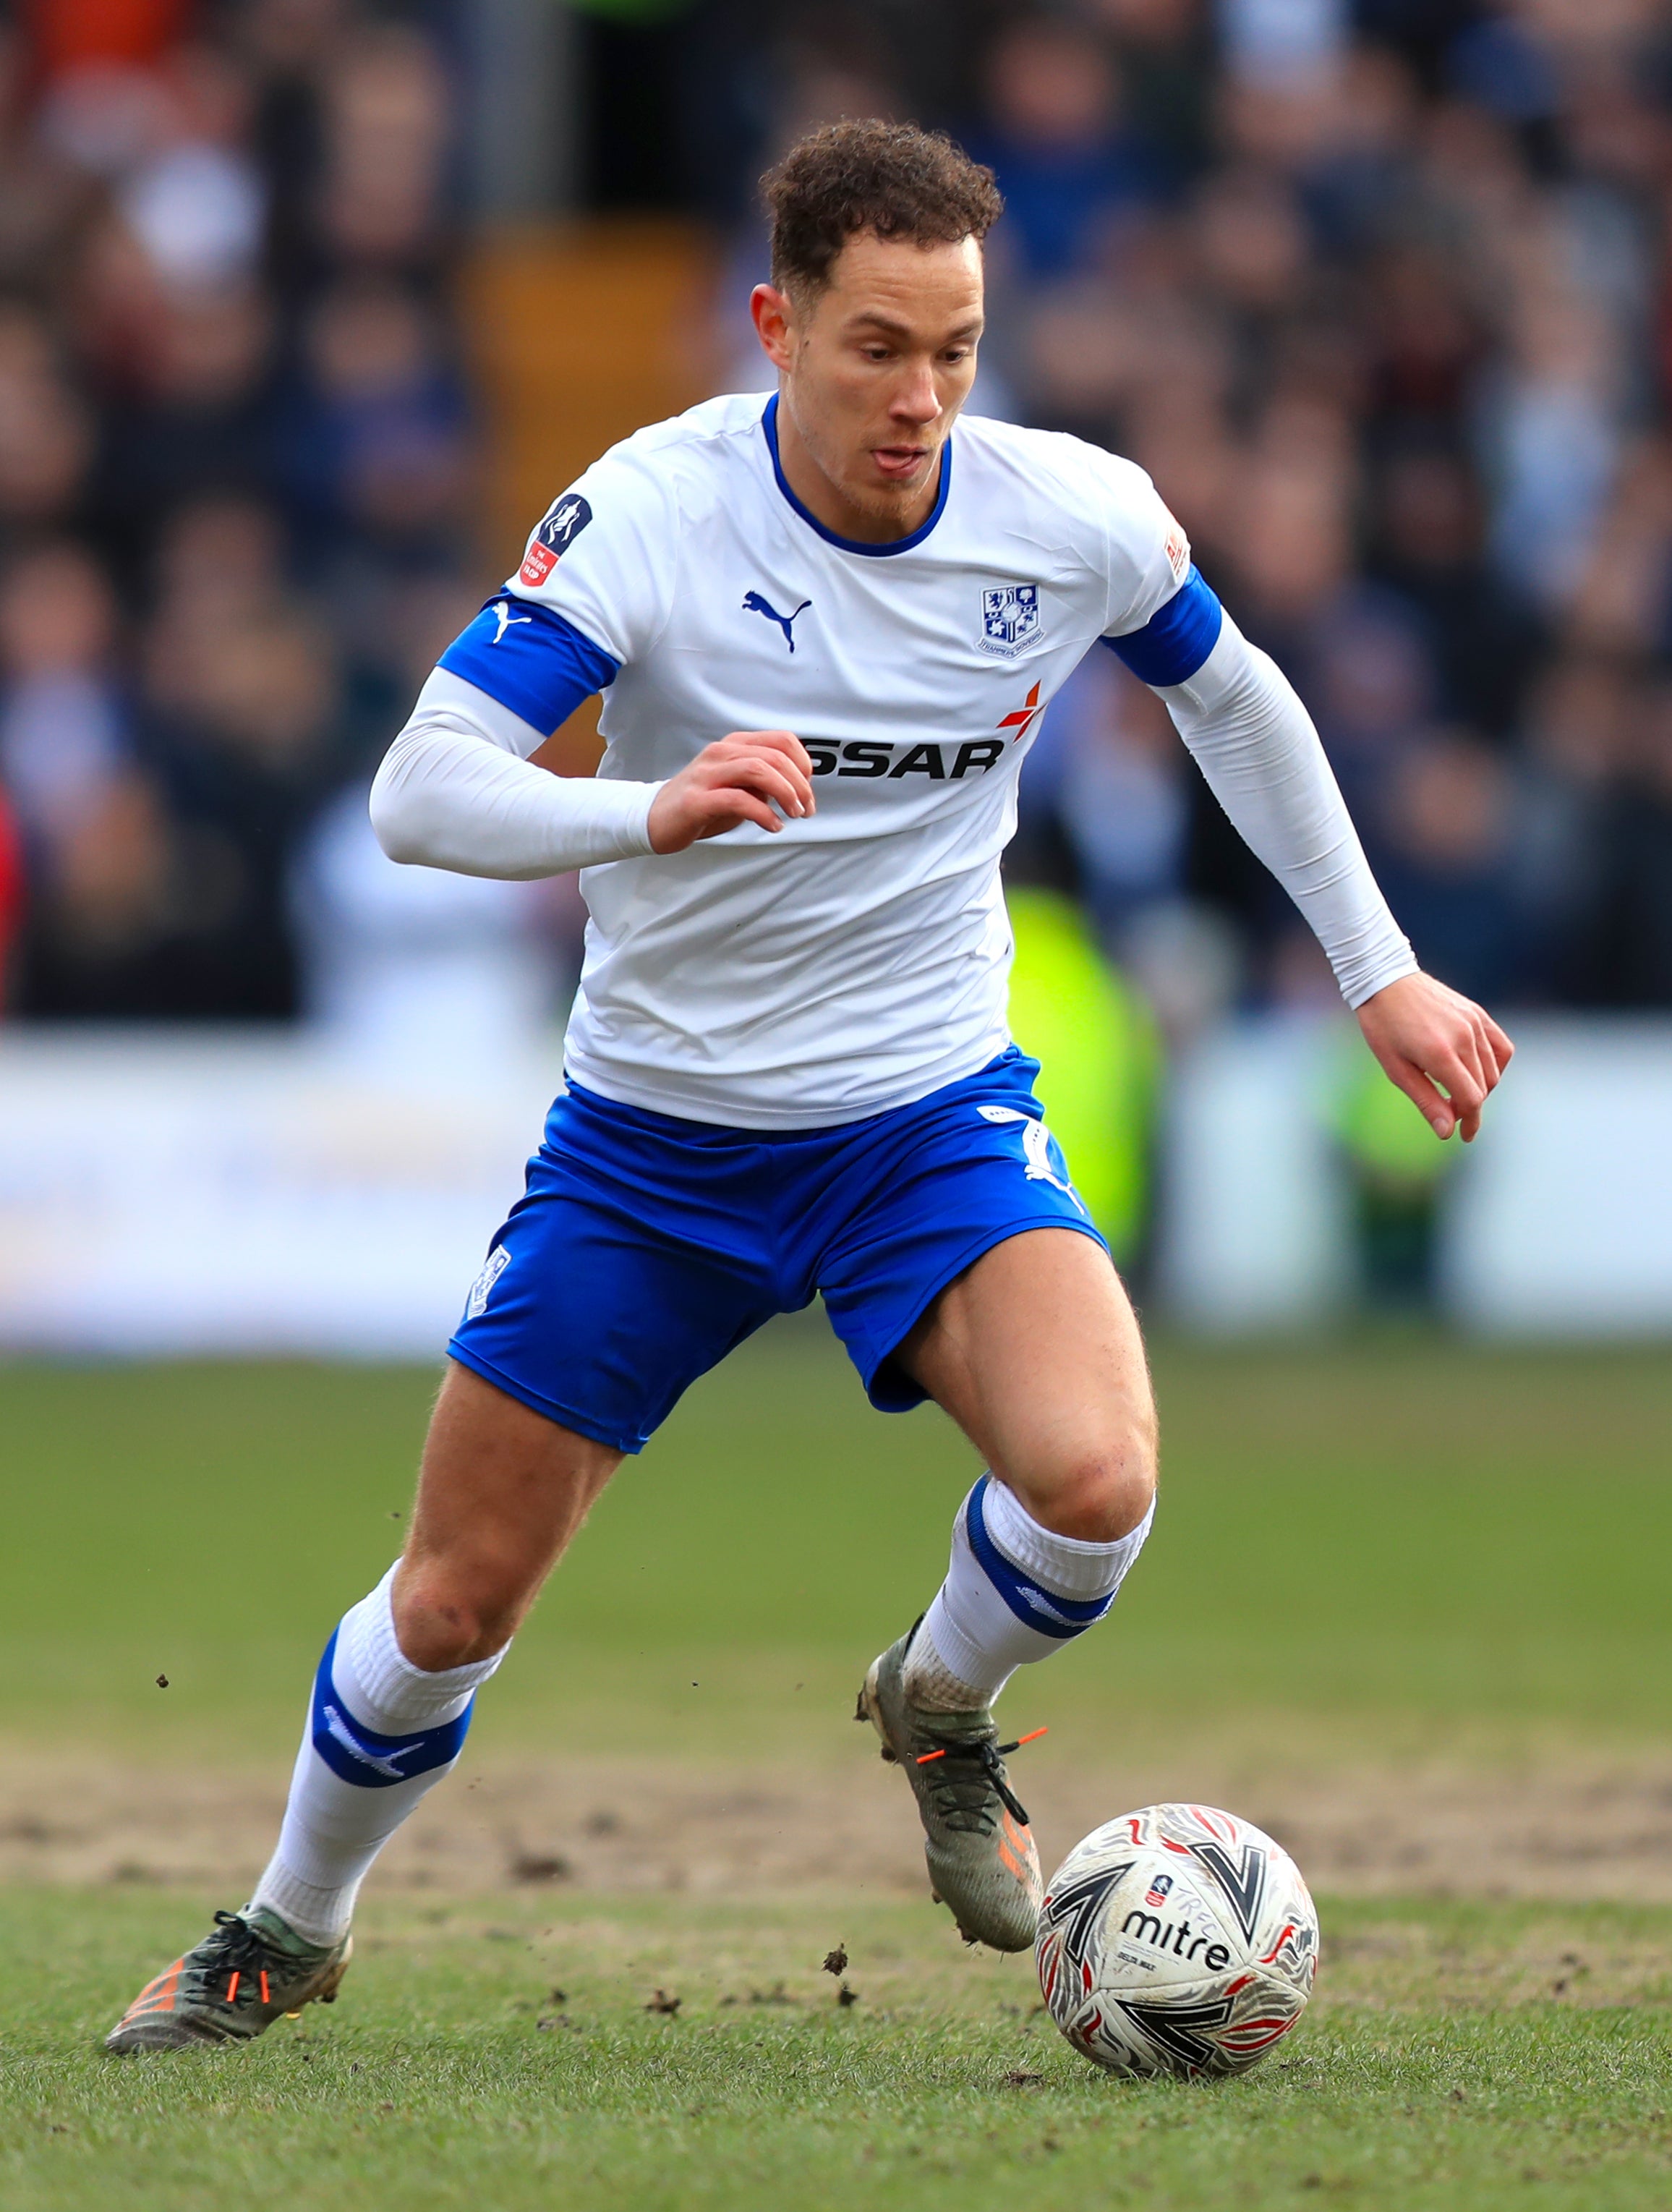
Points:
(753, 775)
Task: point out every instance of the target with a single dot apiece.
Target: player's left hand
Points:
(1445, 1053)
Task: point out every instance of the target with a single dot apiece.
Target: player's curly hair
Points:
(889, 178)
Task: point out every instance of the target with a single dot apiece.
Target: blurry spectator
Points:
(1445, 861)
(45, 201)
(194, 202)
(63, 721)
(1429, 549)
(1550, 433)
(1066, 164)
(1162, 47)
(219, 566)
(387, 133)
(379, 446)
(45, 432)
(202, 420)
(246, 751)
(1621, 948)
(11, 897)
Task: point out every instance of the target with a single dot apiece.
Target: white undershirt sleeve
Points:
(1255, 744)
(456, 790)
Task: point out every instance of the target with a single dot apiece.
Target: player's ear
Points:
(774, 317)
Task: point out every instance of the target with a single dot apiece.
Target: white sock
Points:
(1014, 1593)
(380, 1733)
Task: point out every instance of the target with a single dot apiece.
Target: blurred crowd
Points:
(1382, 298)
(236, 450)
(1381, 295)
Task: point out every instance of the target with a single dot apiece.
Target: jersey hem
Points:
(735, 1113)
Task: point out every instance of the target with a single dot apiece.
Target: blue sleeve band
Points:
(1178, 637)
(530, 659)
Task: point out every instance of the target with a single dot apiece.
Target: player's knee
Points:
(443, 1618)
(1100, 1489)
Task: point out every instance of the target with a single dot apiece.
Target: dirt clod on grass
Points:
(835, 1962)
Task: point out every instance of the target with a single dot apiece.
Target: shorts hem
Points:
(568, 1416)
(986, 1242)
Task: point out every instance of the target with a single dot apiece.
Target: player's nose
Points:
(916, 399)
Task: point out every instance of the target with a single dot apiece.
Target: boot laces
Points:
(954, 1797)
(240, 1957)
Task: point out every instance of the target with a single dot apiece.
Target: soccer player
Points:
(787, 1068)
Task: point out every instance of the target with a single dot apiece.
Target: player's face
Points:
(874, 369)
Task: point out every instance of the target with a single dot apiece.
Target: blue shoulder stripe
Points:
(1178, 637)
(531, 660)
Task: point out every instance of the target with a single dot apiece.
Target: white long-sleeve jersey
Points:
(858, 959)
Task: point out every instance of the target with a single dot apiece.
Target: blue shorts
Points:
(644, 1248)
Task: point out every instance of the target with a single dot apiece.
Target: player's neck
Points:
(826, 503)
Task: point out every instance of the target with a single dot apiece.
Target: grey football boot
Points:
(249, 1969)
(982, 1858)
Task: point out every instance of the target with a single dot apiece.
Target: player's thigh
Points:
(1035, 1353)
(501, 1491)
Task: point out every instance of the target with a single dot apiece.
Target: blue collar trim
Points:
(769, 424)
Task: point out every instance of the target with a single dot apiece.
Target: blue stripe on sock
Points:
(363, 1757)
(1062, 1618)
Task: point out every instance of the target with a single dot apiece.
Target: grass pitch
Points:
(1385, 1546)
(1439, 2069)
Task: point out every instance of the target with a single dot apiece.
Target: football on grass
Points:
(1179, 1939)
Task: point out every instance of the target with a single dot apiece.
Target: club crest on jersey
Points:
(1009, 617)
(567, 518)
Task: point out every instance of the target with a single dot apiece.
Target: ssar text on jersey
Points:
(868, 757)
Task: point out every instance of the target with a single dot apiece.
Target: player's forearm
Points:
(448, 795)
(1254, 743)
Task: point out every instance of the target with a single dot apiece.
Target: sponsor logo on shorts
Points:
(497, 1261)
(1038, 1164)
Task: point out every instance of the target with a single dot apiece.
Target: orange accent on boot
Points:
(156, 1994)
(1019, 1853)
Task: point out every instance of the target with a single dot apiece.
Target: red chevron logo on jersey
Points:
(1025, 717)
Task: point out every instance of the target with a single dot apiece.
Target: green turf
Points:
(1439, 1539)
(1456, 2056)
(1402, 1543)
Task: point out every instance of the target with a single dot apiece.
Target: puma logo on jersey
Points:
(506, 620)
(753, 603)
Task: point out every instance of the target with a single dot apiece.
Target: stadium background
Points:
(307, 309)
